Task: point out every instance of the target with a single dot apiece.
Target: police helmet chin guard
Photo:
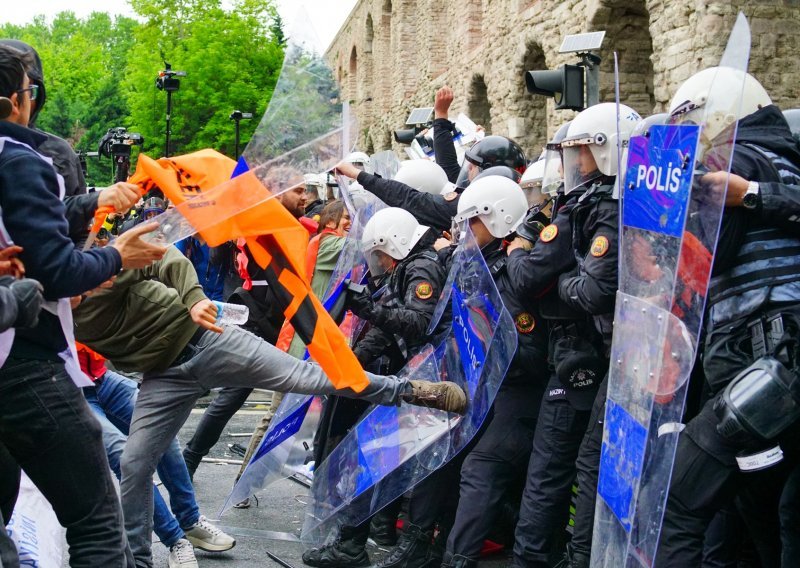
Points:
(422, 175)
(497, 201)
(392, 232)
(591, 146)
(488, 152)
(711, 98)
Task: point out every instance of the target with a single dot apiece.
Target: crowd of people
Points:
(76, 325)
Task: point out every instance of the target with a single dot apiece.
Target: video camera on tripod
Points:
(117, 144)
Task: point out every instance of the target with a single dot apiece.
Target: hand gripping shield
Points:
(394, 448)
(669, 231)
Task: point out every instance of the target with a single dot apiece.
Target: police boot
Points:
(458, 561)
(383, 527)
(573, 559)
(411, 550)
(347, 551)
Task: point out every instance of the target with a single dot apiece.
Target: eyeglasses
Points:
(34, 89)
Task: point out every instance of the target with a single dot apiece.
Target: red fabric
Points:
(93, 364)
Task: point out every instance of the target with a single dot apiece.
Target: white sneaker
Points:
(206, 536)
(181, 555)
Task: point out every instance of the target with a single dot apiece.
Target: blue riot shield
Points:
(669, 225)
(394, 448)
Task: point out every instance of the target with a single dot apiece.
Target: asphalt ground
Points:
(273, 525)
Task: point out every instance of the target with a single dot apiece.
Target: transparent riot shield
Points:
(394, 448)
(669, 225)
(385, 164)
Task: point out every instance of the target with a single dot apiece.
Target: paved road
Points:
(280, 509)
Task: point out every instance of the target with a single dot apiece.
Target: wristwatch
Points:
(750, 199)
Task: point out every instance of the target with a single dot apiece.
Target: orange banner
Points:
(277, 241)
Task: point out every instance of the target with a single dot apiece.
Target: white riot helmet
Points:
(591, 146)
(391, 232)
(422, 175)
(711, 98)
(497, 201)
(358, 159)
(531, 181)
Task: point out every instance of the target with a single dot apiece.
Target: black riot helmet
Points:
(34, 73)
(503, 171)
(489, 152)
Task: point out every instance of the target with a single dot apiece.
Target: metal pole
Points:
(169, 115)
(236, 120)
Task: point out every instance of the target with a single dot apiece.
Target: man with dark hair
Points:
(45, 424)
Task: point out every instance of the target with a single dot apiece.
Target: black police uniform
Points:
(501, 451)
(573, 268)
(756, 275)
(593, 291)
(398, 320)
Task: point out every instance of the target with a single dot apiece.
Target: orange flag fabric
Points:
(225, 208)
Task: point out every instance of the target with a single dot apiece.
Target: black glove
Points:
(532, 225)
(28, 293)
(359, 301)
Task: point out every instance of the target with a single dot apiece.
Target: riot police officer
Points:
(436, 210)
(398, 307)
(752, 322)
(573, 268)
(494, 207)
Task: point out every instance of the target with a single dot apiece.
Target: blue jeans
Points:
(113, 402)
(49, 430)
(236, 358)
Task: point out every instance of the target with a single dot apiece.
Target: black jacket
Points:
(529, 365)
(35, 218)
(535, 272)
(766, 128)
(80, 205)
(435, 211)
(401, 319)
(444, 149)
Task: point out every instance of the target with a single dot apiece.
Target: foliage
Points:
(100, 72)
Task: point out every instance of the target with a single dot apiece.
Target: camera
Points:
(167, 79)
(118, 141)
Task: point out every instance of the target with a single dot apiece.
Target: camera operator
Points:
(60, 449)
(80, 205)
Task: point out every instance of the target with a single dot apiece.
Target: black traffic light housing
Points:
(565, 85)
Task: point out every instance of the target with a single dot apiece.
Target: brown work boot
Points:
(444, 395)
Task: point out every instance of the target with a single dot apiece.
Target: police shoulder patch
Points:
(525, 322)
(450, 195)
(424, 291)
(599, 247)
(548, 233)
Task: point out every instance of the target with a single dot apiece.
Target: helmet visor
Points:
(468, 172)
(580, 169)
(553, 177)
(379, 263)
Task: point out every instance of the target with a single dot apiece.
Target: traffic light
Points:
(565, 85)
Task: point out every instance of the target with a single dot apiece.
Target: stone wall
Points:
(392, 55)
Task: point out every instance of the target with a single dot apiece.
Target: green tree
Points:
(231, 59)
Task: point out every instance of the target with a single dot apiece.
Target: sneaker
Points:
(181, 555)
(340, 553)
(444, 395)
(206, 536)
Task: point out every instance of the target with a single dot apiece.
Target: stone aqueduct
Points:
(391, 55)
